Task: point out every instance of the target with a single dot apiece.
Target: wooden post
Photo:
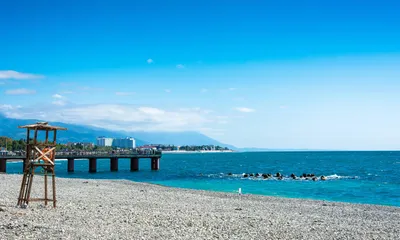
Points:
(71, 164)
(45, 188)
(3, 165)
(35, 139)
(55, 137)
(28, 149)
(134, 164)
(155, 163)
(47, 137)
(54, 188)
(114, 164)
(92, 165)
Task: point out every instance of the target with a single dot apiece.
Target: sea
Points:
(355, 177)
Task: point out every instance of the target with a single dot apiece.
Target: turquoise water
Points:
(358, 177)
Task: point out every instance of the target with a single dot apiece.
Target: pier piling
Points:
(134, 164)
(92, 165)
(155, 163)
(114, 164)
(3, 165)
(71, 165)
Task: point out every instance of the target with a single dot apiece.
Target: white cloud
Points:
(180, 66)
(6, 107)
(10, 74)
(118, 117)
(150, 61)
(231, 89)
(167, 90)
(59, 102)
(124, 93)
(20, 91)
(57, 96)
(244, 109)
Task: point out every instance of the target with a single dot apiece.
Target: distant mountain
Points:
(81, 133)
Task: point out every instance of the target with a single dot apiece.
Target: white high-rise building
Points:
(104, 142)
(128, 142)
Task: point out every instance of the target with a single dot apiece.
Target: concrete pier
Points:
(134, 164)
(71, 164)
(114, 164)
(92, 165)
(114, 160)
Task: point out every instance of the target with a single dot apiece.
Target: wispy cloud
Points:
(245, 110)
(88, 88)
(150, 61)
(10, 74)
(57, 96)
(167, 90)
(180, 66)
(59, 100)
(124, 93)
(232, 89)
(118, 117)
(122, 117)
(20, 91)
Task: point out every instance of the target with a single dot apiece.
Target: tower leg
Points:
(45, 188)
(54, 189)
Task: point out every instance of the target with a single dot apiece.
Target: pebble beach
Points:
(121, 209)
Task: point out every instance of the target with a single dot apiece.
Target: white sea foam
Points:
(285, 178)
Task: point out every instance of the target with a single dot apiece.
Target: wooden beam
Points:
(47, 136)
(44, 155)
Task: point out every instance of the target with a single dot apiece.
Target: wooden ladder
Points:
(26, 185)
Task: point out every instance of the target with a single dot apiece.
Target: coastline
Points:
(124, 209)
(211, 151)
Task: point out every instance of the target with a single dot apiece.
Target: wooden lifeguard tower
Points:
(39, 154)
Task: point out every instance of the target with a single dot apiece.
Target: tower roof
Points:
(42, 126)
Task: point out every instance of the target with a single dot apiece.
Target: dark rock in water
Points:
(264, 175)
(293, 176)
(245, 175)
(308, 175)
(229, 174)
(304, 175)
(269, 175)
(251, 174)
(314, 179)
(257, 175)
(323, 178)
(312, 175)
(278, 174)
(280, 178)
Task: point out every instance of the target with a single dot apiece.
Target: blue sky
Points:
(275, 74)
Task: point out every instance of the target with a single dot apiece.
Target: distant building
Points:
(84, 144)
(128, 142)
(104, 142)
